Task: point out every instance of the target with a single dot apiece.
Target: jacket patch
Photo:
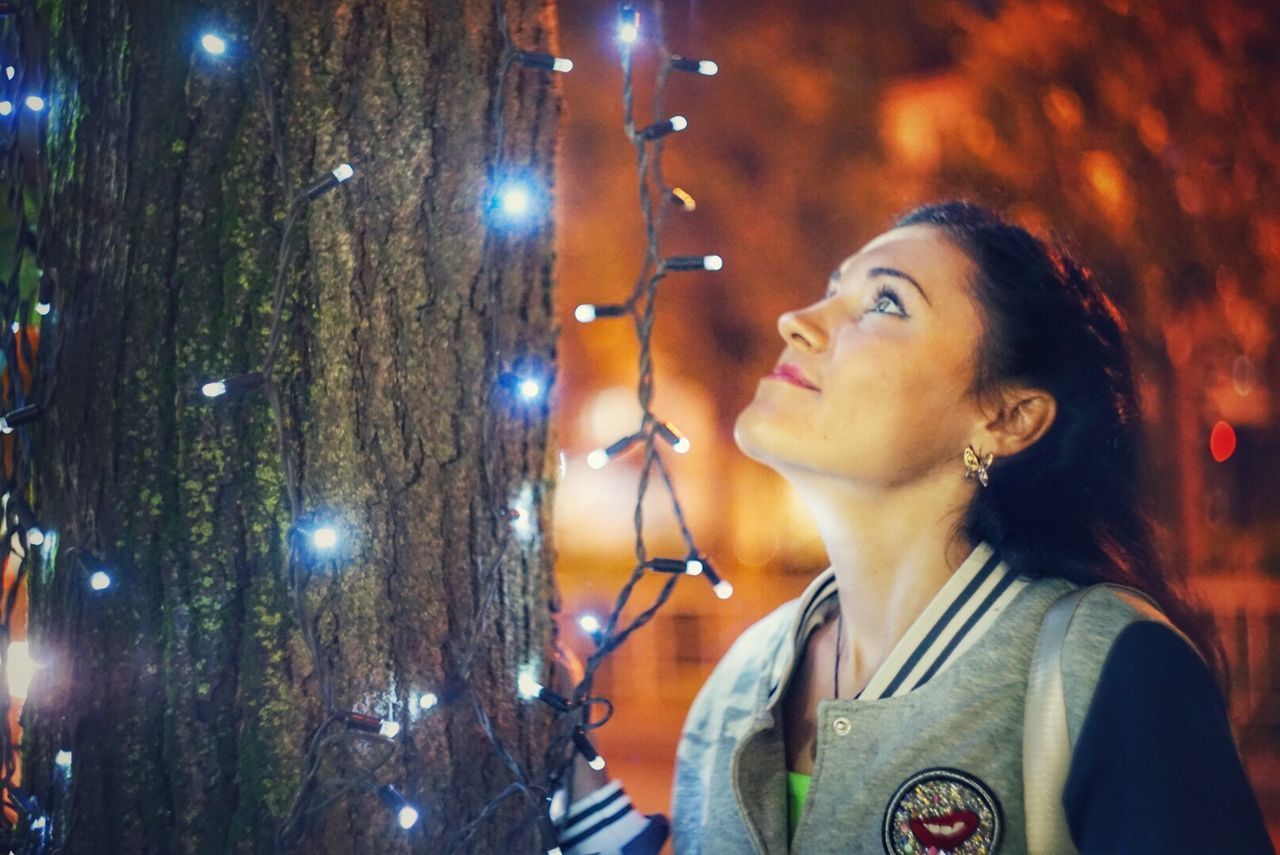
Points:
(939, 811)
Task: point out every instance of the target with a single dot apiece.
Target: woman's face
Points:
(890, 351)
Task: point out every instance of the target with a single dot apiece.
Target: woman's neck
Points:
(891, 551)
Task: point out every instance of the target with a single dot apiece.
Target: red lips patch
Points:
(943, 811)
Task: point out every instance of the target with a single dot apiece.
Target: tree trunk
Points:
(185, 692)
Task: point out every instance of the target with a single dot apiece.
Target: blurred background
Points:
(1147, 136)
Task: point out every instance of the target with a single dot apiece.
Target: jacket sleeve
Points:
(605, 821)
(1155, 767)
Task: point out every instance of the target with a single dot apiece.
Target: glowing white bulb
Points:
(597, 762)
(21, 668)
(99, 580)
(562, 64)
(39, 823)
(693, 567)
(628, 32)
(708, 68)
(325, 537)
(428, 700)
(35, 103)
(528, 687)
(585, 313)
(15, 326)
(213, 44)
(35, 536)
(682, 445)
(214, 389)
(598, 458)
(589, 623)
(62, 759)
(723, 589)
(9, 71)
(6, 107)
(389, 729)
(679, 123)
(343, 171)
(530, 389)
(43, 308)
(515, 201)
(713, 262)
(407, 816)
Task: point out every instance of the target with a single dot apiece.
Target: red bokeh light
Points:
(1222, 441)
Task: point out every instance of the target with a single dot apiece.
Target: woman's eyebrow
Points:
(876, 271)
(891, 271)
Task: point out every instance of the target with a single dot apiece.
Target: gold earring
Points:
(976, 467)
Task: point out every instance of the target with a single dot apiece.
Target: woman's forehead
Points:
(922, 247)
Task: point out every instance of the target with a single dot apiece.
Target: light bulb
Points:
(6, 107)
(528, 686)
(213, 44)
(325, 537)
(62, 758)
(598, 459)
(407, 817)
(214, 389)
(589, 623)
(428, 700)
(723, 589)
(99, 580)
(35, 103)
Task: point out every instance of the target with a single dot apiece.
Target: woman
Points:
(959, 413)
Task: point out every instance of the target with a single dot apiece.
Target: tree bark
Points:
(185, 692)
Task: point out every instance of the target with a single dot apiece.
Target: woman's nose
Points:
(800, 331)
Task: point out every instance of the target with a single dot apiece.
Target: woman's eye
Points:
(888, 303)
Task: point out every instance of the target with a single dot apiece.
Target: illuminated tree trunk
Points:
(185, 692)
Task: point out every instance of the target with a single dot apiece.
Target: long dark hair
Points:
(1073, 504)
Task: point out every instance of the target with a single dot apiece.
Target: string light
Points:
(530, 689)
(27, 519)
(340, 173)
(590, 624)
(238, 384)
(21, 416)
(428, 700)
(324, 538)
(365, 723)
(688, 566)
(213, 44)
(99, 580)
(695, 66)
(586, 749)
(6, 107)
(660, 129)
(9, 72)
(406, 814)
(35, 103)
(599, 458)
(525, 384)
(62, 759)
(682, 198)
(628, 24)
(679, 442)
(585, 313)
(694, 262)
(545, 61)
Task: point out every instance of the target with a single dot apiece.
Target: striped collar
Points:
(959, 614)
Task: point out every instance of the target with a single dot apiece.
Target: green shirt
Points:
(797, 792)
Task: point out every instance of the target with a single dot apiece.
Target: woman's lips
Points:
(789, 373)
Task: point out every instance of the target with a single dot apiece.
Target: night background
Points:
(1145, 136)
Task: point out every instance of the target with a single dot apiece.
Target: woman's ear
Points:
(1025, 416)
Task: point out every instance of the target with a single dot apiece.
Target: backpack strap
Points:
(1046, 744)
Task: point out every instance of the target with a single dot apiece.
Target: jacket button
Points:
(840, 724)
